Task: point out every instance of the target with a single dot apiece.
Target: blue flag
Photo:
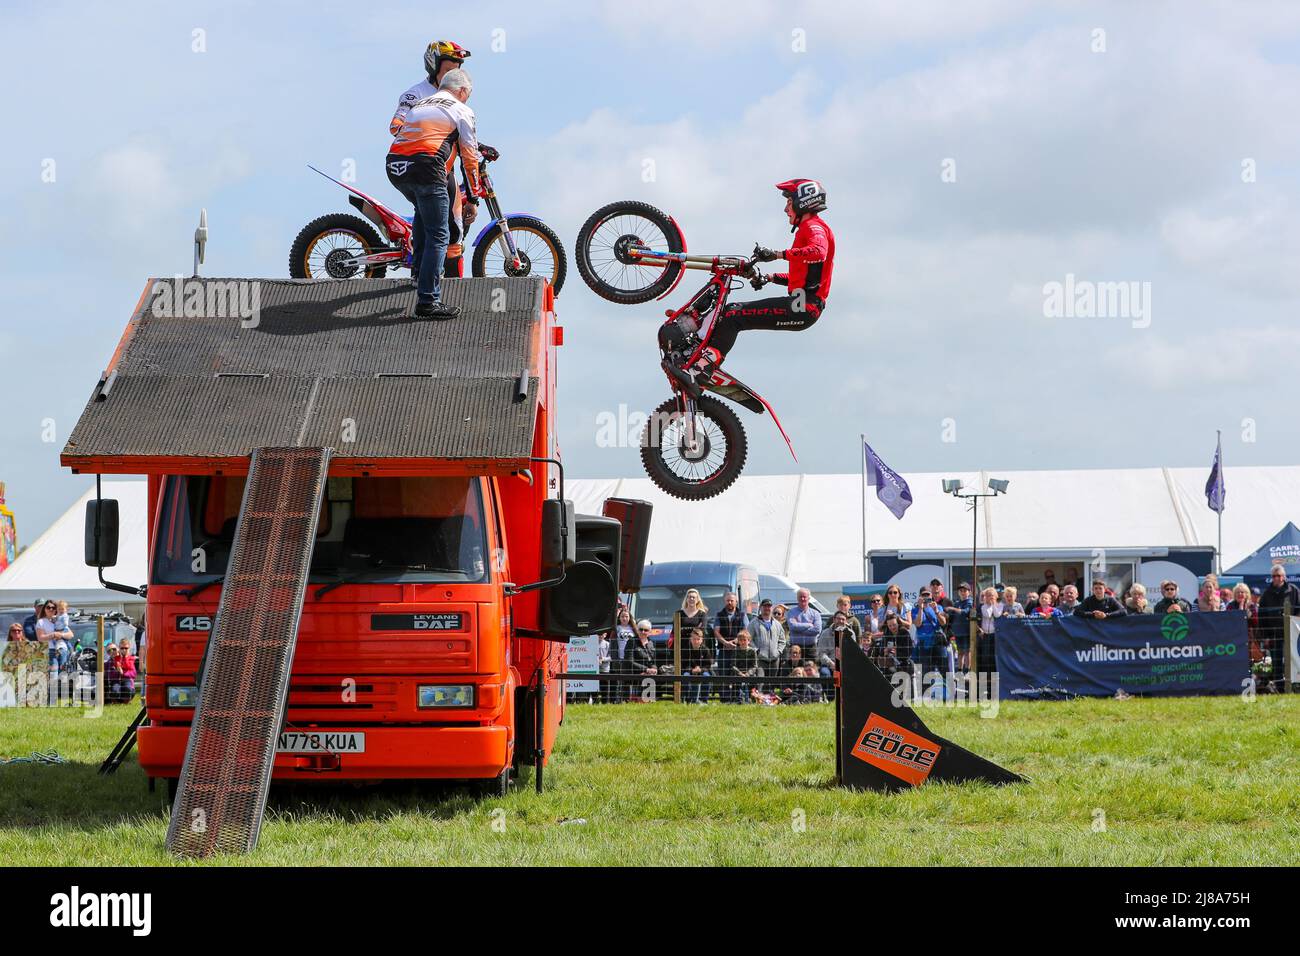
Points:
(891, 489)
(1214, 490)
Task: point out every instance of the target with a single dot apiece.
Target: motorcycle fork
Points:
(494, 210)
(690, 440)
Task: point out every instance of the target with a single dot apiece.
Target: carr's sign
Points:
(429, 621)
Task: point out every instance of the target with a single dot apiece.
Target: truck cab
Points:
(361, 562)
(404, 631)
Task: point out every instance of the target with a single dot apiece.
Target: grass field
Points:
(1180, 782)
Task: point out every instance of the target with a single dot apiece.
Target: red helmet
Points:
(440, 50)
(808, 195)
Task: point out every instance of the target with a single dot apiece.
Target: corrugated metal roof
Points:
(263, 362)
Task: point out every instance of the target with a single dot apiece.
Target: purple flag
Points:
(891, 489)
(1214, 490)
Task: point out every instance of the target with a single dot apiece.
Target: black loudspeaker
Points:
(634, 516)
(585, 602)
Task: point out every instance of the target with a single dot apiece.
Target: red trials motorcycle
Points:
(693, 446)
(340, 246)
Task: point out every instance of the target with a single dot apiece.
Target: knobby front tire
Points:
(534, 239)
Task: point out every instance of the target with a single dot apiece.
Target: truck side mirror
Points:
(559, 534)
(101, 533)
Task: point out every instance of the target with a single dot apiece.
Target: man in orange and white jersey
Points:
(440, 57)
(421, 160)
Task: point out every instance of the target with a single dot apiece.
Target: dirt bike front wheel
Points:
(324, 246)
(604, 252)
(708, 469)
(540, 252)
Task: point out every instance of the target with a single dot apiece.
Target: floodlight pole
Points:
(973, 620)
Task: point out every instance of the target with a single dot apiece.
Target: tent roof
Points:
(1282, 548)
(809, 527)
(53, 566)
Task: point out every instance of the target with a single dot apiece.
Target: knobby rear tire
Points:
(359, 229)
(613, 293)
(715, 484)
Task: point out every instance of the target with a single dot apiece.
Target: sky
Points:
(977, 155)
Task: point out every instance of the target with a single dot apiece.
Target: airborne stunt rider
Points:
(811, 258)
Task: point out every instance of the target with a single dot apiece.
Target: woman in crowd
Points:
(126, 661)
(897, 634)
(694, 613)
(1244, 601)
(59, 640)
(1137, 600)
(1010, 606)
(112, 674)
(641, 653)
(621, 640)
(779, 612)
(894, 603)
(1208, 586)
(1045, 608)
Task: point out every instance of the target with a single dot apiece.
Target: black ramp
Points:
(884, 746)
(245, 681)
(338, 364)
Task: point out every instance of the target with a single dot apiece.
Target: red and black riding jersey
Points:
(811, 258)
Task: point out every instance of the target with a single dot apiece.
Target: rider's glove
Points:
(763, 254)
(759, 281)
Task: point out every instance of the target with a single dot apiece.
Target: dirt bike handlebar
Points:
(741, 265)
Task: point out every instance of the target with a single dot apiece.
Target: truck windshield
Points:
(370, 530)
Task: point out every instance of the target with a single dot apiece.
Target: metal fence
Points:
(32, 675)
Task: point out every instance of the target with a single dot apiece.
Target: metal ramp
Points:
(245, 676)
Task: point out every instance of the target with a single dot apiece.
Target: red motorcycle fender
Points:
(719, 379)
(396, 224)
(681, 272)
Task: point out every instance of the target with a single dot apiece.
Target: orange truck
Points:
(444, 568)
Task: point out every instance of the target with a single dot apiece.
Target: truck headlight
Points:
(445, 695)
(182, 696)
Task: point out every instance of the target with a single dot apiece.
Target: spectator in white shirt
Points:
(803, 622)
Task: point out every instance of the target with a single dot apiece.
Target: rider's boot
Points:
(706, 365)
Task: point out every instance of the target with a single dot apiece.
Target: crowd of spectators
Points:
(47, 634)
(758, 653)
(930, 635)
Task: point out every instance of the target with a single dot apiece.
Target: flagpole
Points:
(862, 460)
(1218, 554)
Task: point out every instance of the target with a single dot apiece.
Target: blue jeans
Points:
(698, 693)
(430, 235)
(59, 658)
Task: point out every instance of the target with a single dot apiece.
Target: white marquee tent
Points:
(809, 527)
(53, 566)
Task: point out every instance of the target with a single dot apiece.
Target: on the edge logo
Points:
(76, 909)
